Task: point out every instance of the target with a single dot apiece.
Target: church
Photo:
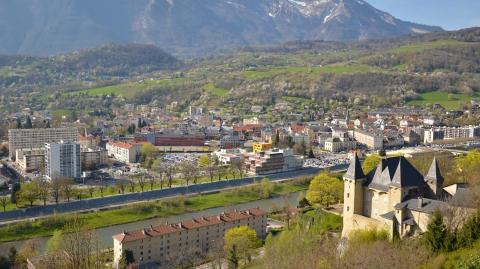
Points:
(394, 196)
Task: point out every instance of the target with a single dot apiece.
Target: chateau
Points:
(394, 196)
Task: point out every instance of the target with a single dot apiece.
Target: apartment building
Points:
(372, 140)
(441, 133)
(29, 160)
(166, 246)
(62, 160)
(337, 144)
(272, 161)
(36, 138)
(126, 152)
(93, 157)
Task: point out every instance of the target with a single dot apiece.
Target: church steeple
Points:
(355, 171)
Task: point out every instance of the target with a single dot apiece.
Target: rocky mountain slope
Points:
(188, 27)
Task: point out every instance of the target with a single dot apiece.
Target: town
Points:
(232, 134)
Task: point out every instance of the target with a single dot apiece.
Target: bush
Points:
(368, 236)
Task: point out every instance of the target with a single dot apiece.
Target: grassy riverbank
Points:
(148, 210)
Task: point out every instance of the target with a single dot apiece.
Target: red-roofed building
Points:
(166, 245)
(124, 151)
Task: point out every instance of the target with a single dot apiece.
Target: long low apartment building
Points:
(167, 246)
(36, 138)
(442, 133)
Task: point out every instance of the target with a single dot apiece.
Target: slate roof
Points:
(355, 171)
(428, 205)
(394, 172)
(434, 172)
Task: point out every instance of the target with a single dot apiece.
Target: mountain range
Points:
(189, 27)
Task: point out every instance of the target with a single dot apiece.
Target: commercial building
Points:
(257, 147)
(272, 161)
(62, 160)
(230, 142)
(36, 138)
(126, 152)
(228, 156)
(29, 160)
(179, 140)
(166, 246)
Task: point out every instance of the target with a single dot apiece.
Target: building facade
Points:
(93, 157)
(370, 139)
(165, 246)
(126, 152)
(36, 138)
(272, 161)
(62, 160)
(394, 196)
(29, 160)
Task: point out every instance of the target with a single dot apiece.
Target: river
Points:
(105, 234)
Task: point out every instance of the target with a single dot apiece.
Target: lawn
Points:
(446, 100)
(146, 210)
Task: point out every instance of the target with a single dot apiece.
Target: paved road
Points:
(117, 200)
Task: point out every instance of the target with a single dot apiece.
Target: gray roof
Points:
(390, 215)
(394, 172)
(428, 205)
(434, 172)
(355, 171)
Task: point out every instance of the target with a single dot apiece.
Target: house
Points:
(394, 196)
(126, 152)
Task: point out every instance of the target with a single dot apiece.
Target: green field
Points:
(419, 47)
(295, 70)
(214, 90)
(145, 210)
(446, 100)
(129, 89)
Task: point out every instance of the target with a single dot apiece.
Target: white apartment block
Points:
(441, 133)
(165, 246)
(36, 138)
(126, 152)
(62, 160)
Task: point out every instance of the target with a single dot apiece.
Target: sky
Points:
(448, 14)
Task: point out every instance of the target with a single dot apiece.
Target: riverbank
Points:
(148, 210)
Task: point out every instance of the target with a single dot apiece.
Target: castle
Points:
(394, 196)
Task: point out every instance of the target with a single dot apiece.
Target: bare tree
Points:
(141, 181)
(239, 167)
(43, 189)
(151, 181)
(66, 187)
(187, 170)
(132, 185)
(4, 202)
(101, 188)
(170, 171)
(91, 190)
(82, 246)
(121, 186)
(56, 186)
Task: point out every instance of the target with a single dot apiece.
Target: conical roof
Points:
(355, 171)
(434, 172)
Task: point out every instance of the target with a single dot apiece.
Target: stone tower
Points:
(353, 194)
(435, 179)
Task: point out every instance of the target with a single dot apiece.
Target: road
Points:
(119, 200)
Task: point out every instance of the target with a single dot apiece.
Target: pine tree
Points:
(436, 232)
(19, 123)
(232, 258)
(311, 155)
(28, 124)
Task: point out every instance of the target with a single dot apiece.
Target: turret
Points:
(434, 178)
(353, 194)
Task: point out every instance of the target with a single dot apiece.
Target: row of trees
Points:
(40, 189)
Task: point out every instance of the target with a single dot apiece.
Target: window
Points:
(348, 208)
(348, 195)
